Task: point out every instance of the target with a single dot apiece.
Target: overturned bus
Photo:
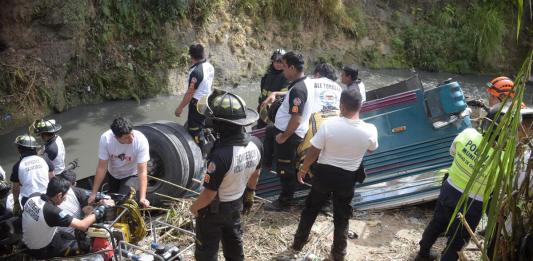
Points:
(416, 128)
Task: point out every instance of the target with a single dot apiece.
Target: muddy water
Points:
(83, 125)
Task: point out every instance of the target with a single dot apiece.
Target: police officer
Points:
(350, 77)
(232, 173)
(53, 144)
(272, 81)
(464, 150)
(339, 145)
(31, 172)
(42, 216)
(201, 75)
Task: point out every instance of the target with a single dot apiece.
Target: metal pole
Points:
(175, 185)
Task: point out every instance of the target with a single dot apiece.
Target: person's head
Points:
(26, 144)
(349, 74)
(57, 189)
(325, 70)
(499, 88)
(350, 102)
(69, 175)
(123, 130)
(46, 129)
(227, 113)
(293, 65)
(196, 52)
(276, 59)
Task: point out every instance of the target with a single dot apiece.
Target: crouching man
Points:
(42, 217)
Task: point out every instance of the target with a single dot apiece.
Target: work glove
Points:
(248, 200)
(99, 213)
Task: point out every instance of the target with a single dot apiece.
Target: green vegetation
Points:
(457, 39)
(131, 46)
(308, 13)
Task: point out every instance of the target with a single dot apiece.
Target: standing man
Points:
(123, 155)
(31, 172)
(289, 128)
(232, 173)
(340, 144)
(53, 144)
(350, 77)
(272, 81)
(201, 75)
(42, 217)
(464, 151)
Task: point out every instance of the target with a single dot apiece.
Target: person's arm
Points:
(204, 199)
(142, 173)
(51, 167)
(101, 169)
(272, 97)
(83, 224)
(186, 98)
(310, 157)
(297, 100)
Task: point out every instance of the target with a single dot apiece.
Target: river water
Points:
(83, 125)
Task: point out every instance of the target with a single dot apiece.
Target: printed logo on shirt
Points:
(193, 80)
(32, 210)
(211, 167)
(63, 214)
(295, 108)
(122, 157)
(296, 101)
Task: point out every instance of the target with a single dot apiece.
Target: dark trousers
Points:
(195, 121)
(284, 155)
(457, 235)
(122, 186)
(329, 181)
(63, 244)
(222, 226)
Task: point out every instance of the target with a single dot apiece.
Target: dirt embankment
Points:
(57, 54)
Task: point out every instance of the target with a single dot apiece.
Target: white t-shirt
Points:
(123, 158)
(344, 142)
(2, 173)
(298, 100)
(327, 94)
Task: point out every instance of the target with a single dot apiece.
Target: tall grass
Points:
(506, 201)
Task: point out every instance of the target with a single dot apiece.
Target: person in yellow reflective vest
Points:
(465, 151)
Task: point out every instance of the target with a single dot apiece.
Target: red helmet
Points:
(501, 86)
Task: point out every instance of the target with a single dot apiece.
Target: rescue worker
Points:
(31, 172)
(42, 216)
(75, 199)
(229, 184)
(123, 154)
(339, 145)
(201, 75)
(464, 150)
(53, 144)
(499, 88)
(291, 124)
(272, 81)
(350, 77)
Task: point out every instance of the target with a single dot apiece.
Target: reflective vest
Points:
(466, 156)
